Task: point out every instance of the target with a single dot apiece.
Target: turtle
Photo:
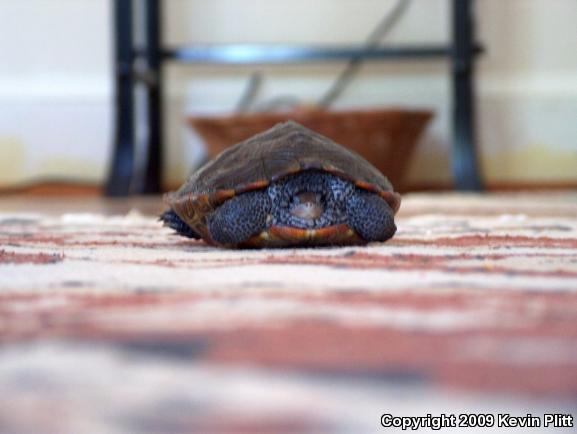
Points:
(285, 187)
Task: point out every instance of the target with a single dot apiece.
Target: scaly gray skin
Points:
(329, 200)
(239, 218)
(170, 219)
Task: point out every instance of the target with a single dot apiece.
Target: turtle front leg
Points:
(370, 216)
(173, 221)
(239, 218)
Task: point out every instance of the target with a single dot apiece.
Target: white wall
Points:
(55, 87)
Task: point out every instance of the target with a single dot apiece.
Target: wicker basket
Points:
(386, 138)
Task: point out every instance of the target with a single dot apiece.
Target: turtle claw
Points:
(370, 216)
(239, 218)
(173, 221)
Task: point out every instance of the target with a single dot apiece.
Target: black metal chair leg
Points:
(153, 168)
(122, 165)
(464, 156)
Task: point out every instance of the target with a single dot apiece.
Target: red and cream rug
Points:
(112, 324)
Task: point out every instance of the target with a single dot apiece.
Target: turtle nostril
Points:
(307, 206)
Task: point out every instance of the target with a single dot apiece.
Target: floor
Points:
(109, 323)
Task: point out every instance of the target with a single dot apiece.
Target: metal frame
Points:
(124, 173)
(464, 156)
(121, 168)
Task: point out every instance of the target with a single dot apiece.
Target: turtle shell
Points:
(285, 149)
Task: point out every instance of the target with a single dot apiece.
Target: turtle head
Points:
(307, 205)
(310, 199)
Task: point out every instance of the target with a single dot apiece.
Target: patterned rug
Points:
(112, 324)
